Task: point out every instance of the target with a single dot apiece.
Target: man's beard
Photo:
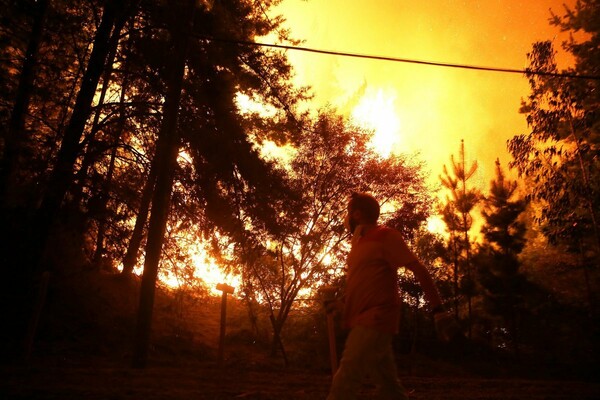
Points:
(350, 224)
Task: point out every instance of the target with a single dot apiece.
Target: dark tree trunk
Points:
(104, 196)
(166, 154)
(15, 135)
(62, 173)
(277, 343)
(99, 252)
(131, 255)
(455, 275)
(90, 156)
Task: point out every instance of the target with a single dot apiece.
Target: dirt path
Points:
(206, 382)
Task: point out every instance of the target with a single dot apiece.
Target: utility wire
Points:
(403, 60)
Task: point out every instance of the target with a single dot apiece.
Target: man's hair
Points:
(366, 204)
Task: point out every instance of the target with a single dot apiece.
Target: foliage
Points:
(331, 159)
(124, 128)
(498, 267)
(56, 69)
(90, 159)
(278, 226)
(504, 231)
(559, 157)
(456, 214)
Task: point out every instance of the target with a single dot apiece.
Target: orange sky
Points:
(426, 109)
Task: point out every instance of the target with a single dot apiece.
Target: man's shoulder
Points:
(386, 230)
(381, 232)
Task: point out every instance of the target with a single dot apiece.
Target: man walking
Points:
(371, 308)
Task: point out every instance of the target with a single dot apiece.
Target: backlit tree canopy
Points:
(331, 160)
(560, 154)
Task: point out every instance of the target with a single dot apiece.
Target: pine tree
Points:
(497, 263)
(458, 218)
(559, 157)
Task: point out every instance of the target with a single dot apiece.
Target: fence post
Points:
(225, 289)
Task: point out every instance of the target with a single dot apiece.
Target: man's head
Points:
(362, 209)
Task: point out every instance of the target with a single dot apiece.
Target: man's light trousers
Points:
(367, 352)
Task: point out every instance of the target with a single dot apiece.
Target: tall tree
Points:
(497, 260)
(559, 156)
(458, 218)
(113, 18)
(226, 173)
(41, 63)
(167, 149)
(331, 159)
(56, 42)
(16, 125)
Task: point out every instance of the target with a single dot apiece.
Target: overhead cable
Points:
(405, 60)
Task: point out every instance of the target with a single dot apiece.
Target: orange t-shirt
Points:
(372, 294)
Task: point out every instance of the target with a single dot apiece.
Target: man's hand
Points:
(446, 326)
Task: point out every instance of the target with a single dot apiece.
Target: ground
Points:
(83, 351)
(209, 382)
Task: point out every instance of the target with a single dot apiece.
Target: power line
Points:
(403, 60)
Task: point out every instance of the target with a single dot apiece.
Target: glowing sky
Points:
(426, 109)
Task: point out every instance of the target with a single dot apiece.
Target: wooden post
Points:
(328, 296)
(225, 289)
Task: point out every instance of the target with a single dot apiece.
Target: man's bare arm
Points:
(424, 277)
